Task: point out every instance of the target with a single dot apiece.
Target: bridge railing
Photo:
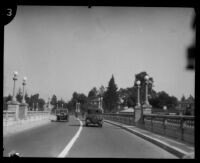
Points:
(37, 114)
(122, 118)
(9, 117)
(176, 126)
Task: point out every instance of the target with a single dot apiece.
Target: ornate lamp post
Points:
(13, 105)
(138, 111)
(14, 78)
(146, 87)
(146, 107)
(138, 91)
(24, 83)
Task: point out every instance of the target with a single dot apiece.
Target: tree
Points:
(183, 98)
(9, 98)
(101, 90)
(34, 100)
(163, 99)
(93, 93)
(61, 103)
(128, 96)
(77, 97)
(41, 103)
(53, 101)
(111, 98)
(19, 95)
(5, 100)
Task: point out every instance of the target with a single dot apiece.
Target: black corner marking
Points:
(8, 11)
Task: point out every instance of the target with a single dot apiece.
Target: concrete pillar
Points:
(23, 108)
(14, 106)
(138, 115)
(146, 106)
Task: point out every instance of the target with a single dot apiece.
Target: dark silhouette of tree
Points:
(54, 102)
(77, 97)
(183, 98)
(163, 99)
(5, 100)
(111, 97)
(93, 93)
(41, 103)
(19, 95)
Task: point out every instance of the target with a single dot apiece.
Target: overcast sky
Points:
(65, 49)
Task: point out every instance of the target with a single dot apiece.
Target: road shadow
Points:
(58, 121)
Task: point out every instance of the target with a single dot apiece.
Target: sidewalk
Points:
(23, 125)
(180, 149)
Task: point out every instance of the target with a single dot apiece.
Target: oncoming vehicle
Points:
(94, 116)
(62, 114)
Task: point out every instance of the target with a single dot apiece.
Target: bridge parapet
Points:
(122, 118)
(9, 117)
(176, 126)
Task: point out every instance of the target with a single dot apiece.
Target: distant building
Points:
(187, 107)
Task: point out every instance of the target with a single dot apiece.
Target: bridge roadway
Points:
(107, 142)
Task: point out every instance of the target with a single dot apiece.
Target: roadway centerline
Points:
(72, 141)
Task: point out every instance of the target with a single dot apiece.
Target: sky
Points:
(63, 49)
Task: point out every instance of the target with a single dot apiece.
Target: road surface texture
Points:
(110, 141)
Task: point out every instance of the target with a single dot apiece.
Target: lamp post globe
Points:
(15, 73)
(146, 77)
(24, 79)
(138, 82)
(146, 92)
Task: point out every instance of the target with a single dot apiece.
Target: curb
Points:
(174, 150)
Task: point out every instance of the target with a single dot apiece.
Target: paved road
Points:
(109, 141)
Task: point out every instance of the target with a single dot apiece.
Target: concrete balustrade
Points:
(175, 126)
(122, 118)
(9, 117)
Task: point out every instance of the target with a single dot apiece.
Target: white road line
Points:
(70, 144)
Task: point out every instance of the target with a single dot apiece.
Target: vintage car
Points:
(62, 114)
(94, 116)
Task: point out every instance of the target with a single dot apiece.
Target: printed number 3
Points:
(9, 13)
